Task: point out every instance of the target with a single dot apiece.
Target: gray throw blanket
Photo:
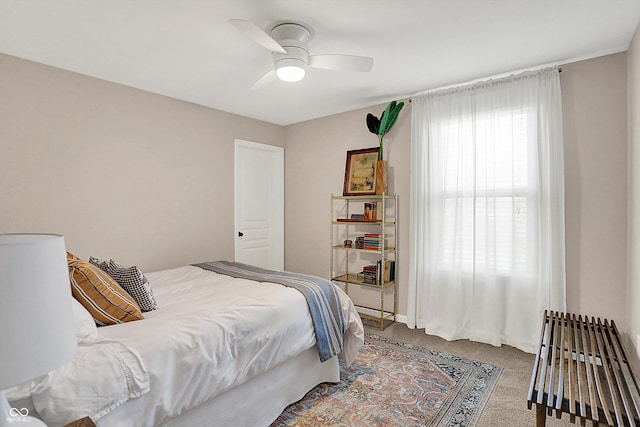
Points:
(321, 295)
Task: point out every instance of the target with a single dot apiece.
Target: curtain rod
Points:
(471, 82)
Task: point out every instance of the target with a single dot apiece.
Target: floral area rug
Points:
(398, 384)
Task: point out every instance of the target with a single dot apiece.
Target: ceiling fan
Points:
(287, 40)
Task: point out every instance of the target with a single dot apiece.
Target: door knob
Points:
(240, 234)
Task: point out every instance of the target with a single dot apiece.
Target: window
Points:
(486, 191)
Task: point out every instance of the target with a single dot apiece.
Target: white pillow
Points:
(86, 329)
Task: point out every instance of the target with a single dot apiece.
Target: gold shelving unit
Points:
(344, 266)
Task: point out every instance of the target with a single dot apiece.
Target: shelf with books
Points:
(369, 197)
(344, 248)
(356, 279)
(364, 238)
(346, 221)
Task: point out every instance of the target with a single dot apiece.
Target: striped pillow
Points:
(101, 295)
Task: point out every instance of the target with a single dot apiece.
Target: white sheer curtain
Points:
(487, 210)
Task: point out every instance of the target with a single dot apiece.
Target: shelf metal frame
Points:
(383, 316)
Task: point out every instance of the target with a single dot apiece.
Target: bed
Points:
(218, 351)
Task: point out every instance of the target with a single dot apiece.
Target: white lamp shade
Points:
(37, 332)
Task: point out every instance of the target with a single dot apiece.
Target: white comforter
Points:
(211, 333)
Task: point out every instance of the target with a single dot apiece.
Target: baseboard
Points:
(400, 318)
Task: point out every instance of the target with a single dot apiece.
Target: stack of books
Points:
(371, 273)
(357, 216)
(371, 241)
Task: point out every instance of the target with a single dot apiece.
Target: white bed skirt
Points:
(257, 402)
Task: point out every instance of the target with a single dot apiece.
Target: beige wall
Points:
(120, 172)
(146, 179)
(594, 108)
(315, 158)
(595, 140)
(633, 300)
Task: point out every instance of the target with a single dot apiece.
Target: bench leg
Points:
(541, 415)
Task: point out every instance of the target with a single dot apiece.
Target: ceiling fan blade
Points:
(341, 62)
(263, 81)
(250, 30)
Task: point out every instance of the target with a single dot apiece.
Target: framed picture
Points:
(360, 172)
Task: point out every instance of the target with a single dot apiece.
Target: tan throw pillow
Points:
(101, 295)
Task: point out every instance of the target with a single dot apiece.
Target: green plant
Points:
(381, 126)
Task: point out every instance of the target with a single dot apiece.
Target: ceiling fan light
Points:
(290, 73)
(290, 69)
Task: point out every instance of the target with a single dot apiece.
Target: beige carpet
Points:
(507, 405)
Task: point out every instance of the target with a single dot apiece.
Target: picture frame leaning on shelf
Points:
(360, 172)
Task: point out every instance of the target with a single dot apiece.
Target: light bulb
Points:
(290, 73)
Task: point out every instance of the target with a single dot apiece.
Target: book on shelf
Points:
(371, 273)
(371, 210)
(368, 278)
(373, 268)
(374, 245)
(389, 270)
(372, 241)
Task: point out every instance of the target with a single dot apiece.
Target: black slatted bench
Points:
(582, 369)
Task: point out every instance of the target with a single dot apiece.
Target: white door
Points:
(259, 204)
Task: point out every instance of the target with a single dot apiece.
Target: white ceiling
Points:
(186, 49)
